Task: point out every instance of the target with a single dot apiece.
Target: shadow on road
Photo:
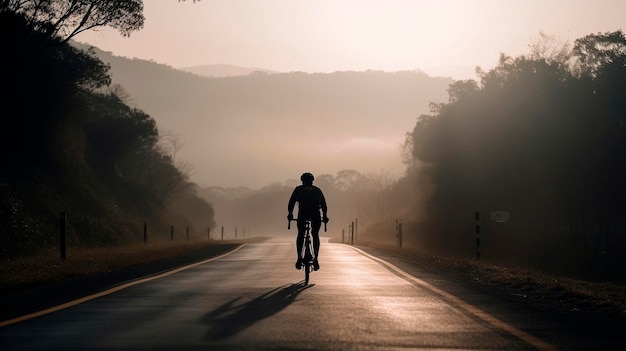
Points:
(233, 317)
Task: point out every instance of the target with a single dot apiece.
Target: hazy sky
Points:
(334, 35)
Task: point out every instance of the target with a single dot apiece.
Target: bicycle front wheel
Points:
(307, 273)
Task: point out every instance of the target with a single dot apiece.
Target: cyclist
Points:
(310, 201)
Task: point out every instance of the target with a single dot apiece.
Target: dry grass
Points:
(552, 291)
(572, 294)
(48, 267)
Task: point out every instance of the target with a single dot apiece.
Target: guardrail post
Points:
(63, 236)
(222, 232)
(477, 235)
(145, 232)
(172, 232)
(397, 236)
(352, 233)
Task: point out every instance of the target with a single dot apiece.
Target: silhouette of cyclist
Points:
(310, 201)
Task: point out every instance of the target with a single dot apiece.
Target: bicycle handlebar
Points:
(295, 219)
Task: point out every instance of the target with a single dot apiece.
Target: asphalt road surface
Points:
(254, 299)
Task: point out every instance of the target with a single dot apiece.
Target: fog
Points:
(263, 128)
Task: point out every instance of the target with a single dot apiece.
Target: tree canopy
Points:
(540, 135)
(62, 19)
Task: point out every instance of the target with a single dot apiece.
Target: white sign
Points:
(500, 216)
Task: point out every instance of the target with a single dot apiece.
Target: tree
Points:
(72, 143)
(550, 49)
(601, 59)
(462, 90)
(543, 136)
(171, 144)
(65, 19)
(597, 51)
(115, 130)
(44, 85)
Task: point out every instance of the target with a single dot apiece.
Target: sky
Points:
(443, 37)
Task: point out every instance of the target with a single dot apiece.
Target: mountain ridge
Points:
(274, 125)
(223, 70)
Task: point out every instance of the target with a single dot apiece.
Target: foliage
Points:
(62, 19)
(44, 85)
(73, 145)
(541, 136)
(114, 131)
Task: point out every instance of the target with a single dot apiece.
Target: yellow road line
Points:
(524, 336)
(110, 291)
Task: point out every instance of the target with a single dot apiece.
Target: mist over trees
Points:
(541, 136)
(368, 199)
(71, 142)
(321, 121)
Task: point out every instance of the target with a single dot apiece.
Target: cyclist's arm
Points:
(292, 201)
(323, 204)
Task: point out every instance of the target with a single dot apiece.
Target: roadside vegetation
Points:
(46, 267)
(542, 137)
(73, 143)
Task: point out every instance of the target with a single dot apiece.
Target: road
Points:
(254, 299)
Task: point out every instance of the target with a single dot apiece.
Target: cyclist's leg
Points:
(316, 224)
(300, 242)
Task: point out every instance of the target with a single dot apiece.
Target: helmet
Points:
(307, 177)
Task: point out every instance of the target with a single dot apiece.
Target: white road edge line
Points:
(528, 338)
(110, 291)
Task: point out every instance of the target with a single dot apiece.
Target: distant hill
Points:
(262, 128)
(458, 72)
(222, 71)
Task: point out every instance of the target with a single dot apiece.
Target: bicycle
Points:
(307, 253)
